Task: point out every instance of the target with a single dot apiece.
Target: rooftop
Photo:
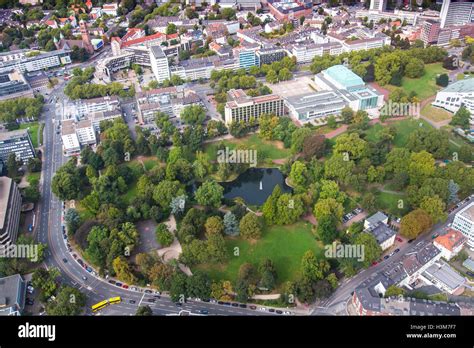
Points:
(13, 134)
(5, 188)
(461, 86)
(376, 218)
(451, 240)
(467, 212)
(344, 76)
(442, 272)
(11, 292)
(381, 232)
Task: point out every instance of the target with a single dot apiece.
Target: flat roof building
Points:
(464, 222)
(17, 142)
(242, 107)
(10, 207)
(12, 295)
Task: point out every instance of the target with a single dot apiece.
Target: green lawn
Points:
(33, 130)
(404, 129)
(435, 114)
(424, 86)
(284, 245)
(389, 202)
(33, 178)
(269, 150)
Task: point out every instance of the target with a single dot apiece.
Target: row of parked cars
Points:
(352, 214)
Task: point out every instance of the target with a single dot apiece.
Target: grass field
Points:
(404, 129)
(389, 202)
(271, 149)
(435, 114)
(33, 130)
(284, 245)
(424, 86)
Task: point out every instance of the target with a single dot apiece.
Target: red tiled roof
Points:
(451, 240)
(142, 39)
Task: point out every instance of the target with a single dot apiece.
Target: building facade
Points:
(10, 208)
(464, 223)
(159, 64)
(244, 108)
(17, 142)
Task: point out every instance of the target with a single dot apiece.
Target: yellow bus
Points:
(113, 300)
(100, 305)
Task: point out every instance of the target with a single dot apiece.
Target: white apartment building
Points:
(74, 135)
(456, 13)
(159, 64)
(42, 61)
(378, 5)
(464, 223)
(84, 107)
(304, 53)
(70, 140)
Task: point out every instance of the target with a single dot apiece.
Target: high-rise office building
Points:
(159, 64)
(457, 12)
(378, 5)
(10, 207)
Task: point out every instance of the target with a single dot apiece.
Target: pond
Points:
(255, 185)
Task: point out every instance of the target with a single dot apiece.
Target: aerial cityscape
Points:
(236, 158)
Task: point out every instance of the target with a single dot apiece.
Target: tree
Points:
(312, 268)
(415, 223)
(271, 76)
(250, 226)
(67, 183)
(415, 68)
(163, 236)
(13, 166)
(394, 291)
(46, 281)
(216, 249)
(209, 193)
(171, 29)
(461, 118)
(327, 230)
(73, 220)
(453, 189)
(421, 167)
(465, 153)
(314, 146)
(69, 301)
(231, 225)
(269, 208)
(289, 208)
(144, 311)
(298, 137)
(435, 207)
(165, 191)
(123, 271)
(199, 286)
(332, 122)
(328, 207)
(178, 291)
(193, 114)
(372, 249)
(442, 80)
(351, 144)
(298, 174)
(34, 165)
(214, 225)
(347, 114)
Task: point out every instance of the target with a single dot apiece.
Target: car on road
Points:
(287, 313)
(470, 274)
(65, 260)
(88, 269)
(234, 304)
(29, 301)
(253, 307)
(125, 286)
(242, 305)
(148, 291)
(151, 300)
(434, 235)
(204, 311)
(132, 301)
(386, 257)
(220, 302)
(74, 255)
(262, 309)
(157, 296)
(396, 250)
(271, 310)
(30, 289)
(411, 240)
(399, 239)
(226, 303)
(279, 311)
(178, 304)
(84, 278)
(118, 284)
(112, 281)
(374, 263)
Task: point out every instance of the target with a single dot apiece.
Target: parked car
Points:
(125, 286)
(111, 281)
(470, 274)
(30, 301)
(279, 311)
(118, 284)
(434, 236)
(147, 291)
(204, 311)
(386, 257)
(151, 300)
(396, 250)
(65, 260)
(132, 301)
(84, 278)
(253, 307)
(399, 239)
